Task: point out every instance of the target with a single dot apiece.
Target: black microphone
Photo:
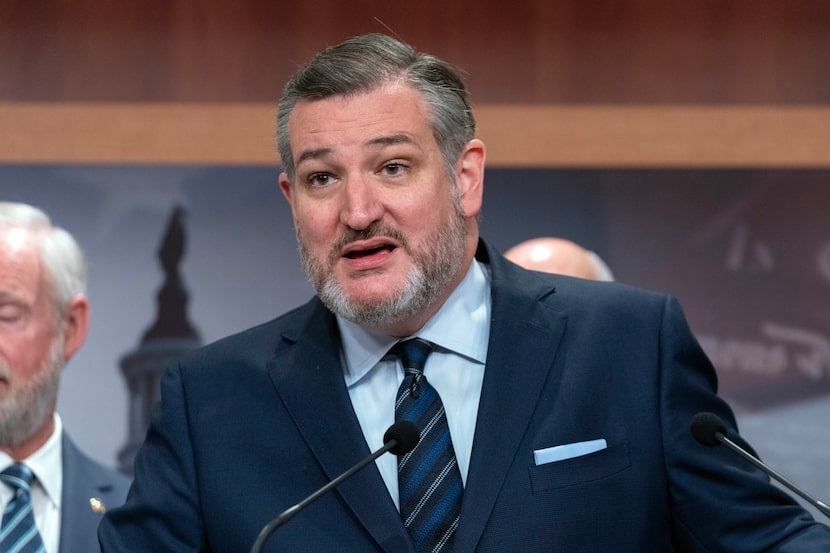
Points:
(710, 430)
(399, 439)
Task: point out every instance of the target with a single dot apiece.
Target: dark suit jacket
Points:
(251, 425)
(83, 479)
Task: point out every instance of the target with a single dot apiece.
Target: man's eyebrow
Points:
(391, 140)
(9, 297)
(313, 154)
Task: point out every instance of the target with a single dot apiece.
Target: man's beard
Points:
(27, 405)
(432, 270)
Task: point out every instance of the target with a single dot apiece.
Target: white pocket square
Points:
(568, 451)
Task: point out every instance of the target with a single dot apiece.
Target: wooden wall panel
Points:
(515, 135)
(538, 51)
(601, 82)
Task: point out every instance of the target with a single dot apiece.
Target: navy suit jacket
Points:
(84, 479)
(251, 425)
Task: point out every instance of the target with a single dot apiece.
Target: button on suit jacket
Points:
(254, 423)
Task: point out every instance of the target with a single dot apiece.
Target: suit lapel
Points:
(308, 377)
(81, 482)
(524, 337)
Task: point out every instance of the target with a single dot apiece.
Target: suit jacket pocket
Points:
(580, 470)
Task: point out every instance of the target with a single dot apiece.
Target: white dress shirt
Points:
(46, 465)
(455, 368)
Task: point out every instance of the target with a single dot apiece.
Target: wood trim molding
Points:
(516, 135)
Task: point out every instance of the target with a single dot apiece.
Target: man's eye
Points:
(393, 169)
(10, 313)
(320, 179)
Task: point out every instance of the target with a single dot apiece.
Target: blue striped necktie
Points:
(18, 533)
(428, 477)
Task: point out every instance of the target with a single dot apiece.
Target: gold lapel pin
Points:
(97, 505)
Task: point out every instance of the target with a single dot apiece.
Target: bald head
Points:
(560, 256)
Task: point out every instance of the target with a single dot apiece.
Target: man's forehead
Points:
(14, 240)
(20, 267)
(320, 129)
(393, 100)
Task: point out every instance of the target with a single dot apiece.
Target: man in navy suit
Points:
(568, 401)
(43, 321)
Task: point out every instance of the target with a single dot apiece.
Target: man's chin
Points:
(370, 292)
(371, 310)
(364, 309)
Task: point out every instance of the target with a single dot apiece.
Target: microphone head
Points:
(705, 428)
(406, 435)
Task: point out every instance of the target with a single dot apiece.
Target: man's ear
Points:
(75, 325)
(285, 186)
(470, 176)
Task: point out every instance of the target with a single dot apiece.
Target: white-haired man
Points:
(54, 496)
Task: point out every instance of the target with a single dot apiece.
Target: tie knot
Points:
(18, 476)
(412, 353)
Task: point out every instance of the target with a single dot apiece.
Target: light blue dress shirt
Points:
(460, 330)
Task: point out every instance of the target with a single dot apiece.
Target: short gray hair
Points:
(59, 252)
(363, 63)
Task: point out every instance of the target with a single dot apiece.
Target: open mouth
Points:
(357, 254)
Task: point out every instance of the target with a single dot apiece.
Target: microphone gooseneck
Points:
(399, 439)
(710, 430)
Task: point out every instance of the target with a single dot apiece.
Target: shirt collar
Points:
(469, 302)
(45, 463)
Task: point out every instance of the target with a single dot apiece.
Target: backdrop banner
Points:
(746, 251)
